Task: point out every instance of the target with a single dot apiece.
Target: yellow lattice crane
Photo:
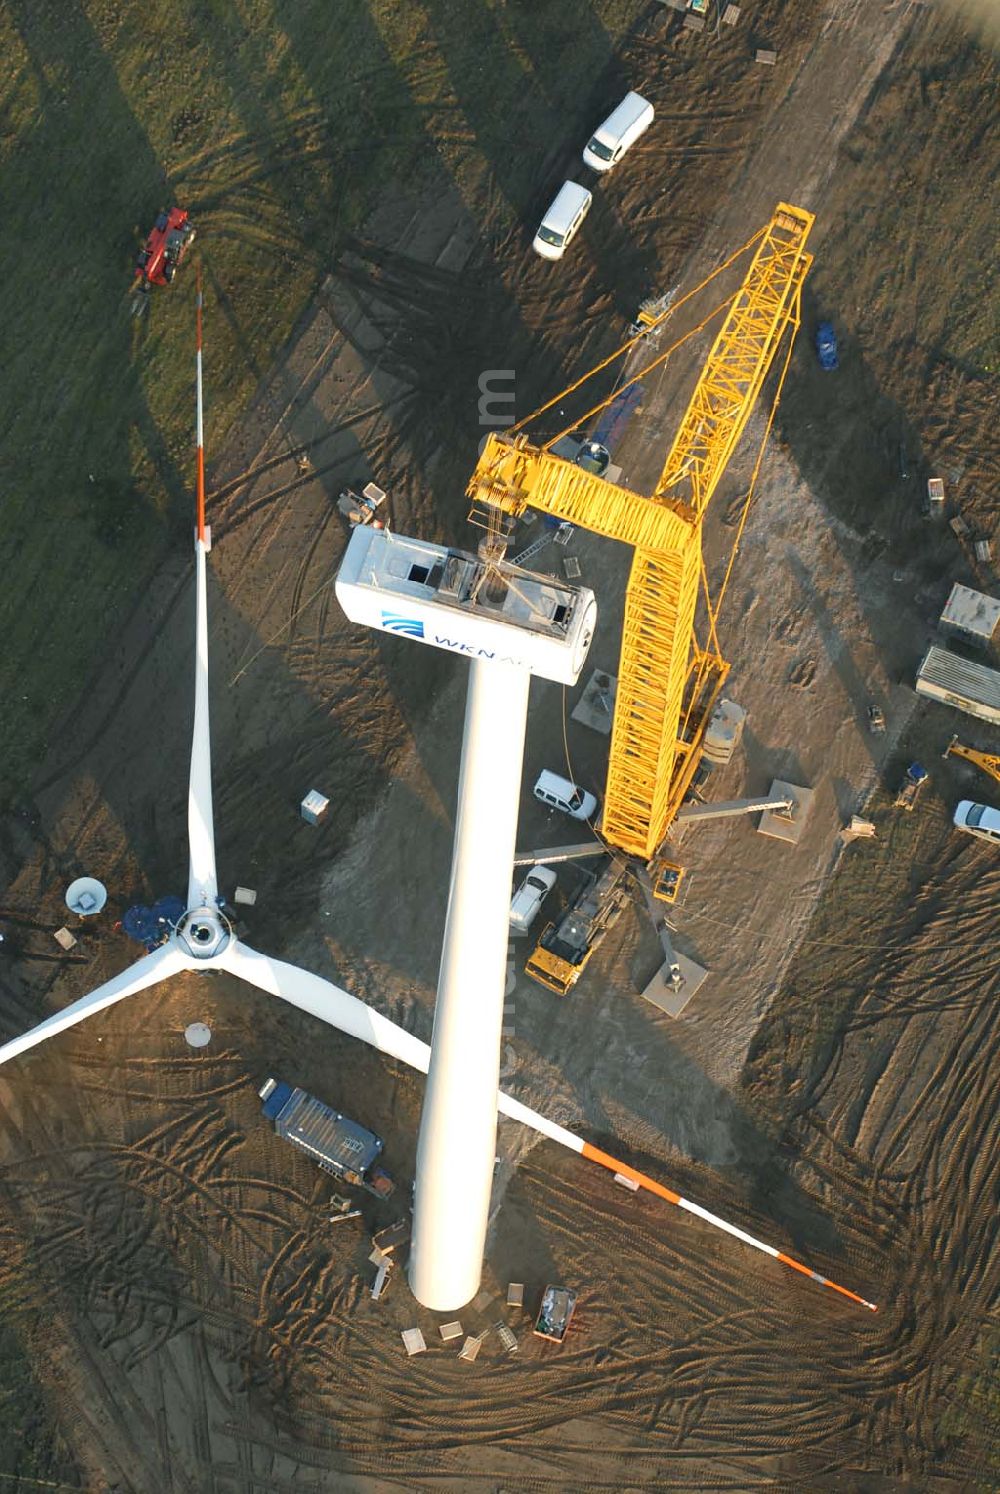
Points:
(668, 679)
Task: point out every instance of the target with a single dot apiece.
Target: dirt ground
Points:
(193, 1316)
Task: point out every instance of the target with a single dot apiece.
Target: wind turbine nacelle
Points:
(455, 601)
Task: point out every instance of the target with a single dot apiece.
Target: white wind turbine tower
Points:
(203, 940)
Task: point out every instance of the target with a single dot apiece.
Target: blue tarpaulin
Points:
(611, 426)
(152, 926)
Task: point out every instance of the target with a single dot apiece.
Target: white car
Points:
(978, 819)
(559, 226)
(622, 128)
(558, 793)
(530, 896)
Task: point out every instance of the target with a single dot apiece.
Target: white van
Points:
(981, 820)
(559, 793)
(621, 129)
(529, 897)
(558, 227)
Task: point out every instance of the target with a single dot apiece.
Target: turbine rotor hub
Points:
(204, 933)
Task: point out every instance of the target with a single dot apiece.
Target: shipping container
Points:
(959, 682)
(339, 1145)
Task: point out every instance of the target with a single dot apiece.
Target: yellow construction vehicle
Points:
(988, 761)
(669, 679)
(564, 949)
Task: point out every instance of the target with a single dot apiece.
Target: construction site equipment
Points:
(564, 949)
(666, 880)
(515, 1294)
(970, 615)
(876, 720)
(158, 261)
(725, 728)
(394, 1235)
(340, 1146)
(668, 680)
(671, 971)
(363, 507)
(826, 347)
(507, 1337)
(314, 806)
(972, 688)
(555, 1313)
(988, 761)
(688, 814)
(909, 790)
(560, 853)
(86, 896)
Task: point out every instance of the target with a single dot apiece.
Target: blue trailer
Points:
(340, 1146)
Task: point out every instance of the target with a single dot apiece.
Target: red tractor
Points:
(156, 263)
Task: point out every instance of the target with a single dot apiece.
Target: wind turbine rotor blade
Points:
(311, 993)
(149, 971)
(203, 886)
(322, 999)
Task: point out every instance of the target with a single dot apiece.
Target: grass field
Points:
(277, 123)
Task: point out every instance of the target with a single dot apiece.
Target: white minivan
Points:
(529, 897)
(559, 793)
(622, 128)
(979, 819)
(559, 226)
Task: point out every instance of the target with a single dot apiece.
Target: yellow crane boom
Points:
(988, 761)
(667, 682)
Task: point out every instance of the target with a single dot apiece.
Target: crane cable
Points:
(714, 613)
(626, 346)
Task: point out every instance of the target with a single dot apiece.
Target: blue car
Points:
(826, 346)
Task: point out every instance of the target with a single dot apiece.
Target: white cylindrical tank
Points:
(457, 1143)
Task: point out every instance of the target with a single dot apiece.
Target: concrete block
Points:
(765, 56)
(413, 1341)
(788, 825)
(515, 1294)
(64, 939)
(596, 706)
(661, 993)
(246, 895)
(629, 1183)
(449, 1331)
(470, 1349)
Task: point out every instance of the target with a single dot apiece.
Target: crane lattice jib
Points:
(666, 684)
(739, 361)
